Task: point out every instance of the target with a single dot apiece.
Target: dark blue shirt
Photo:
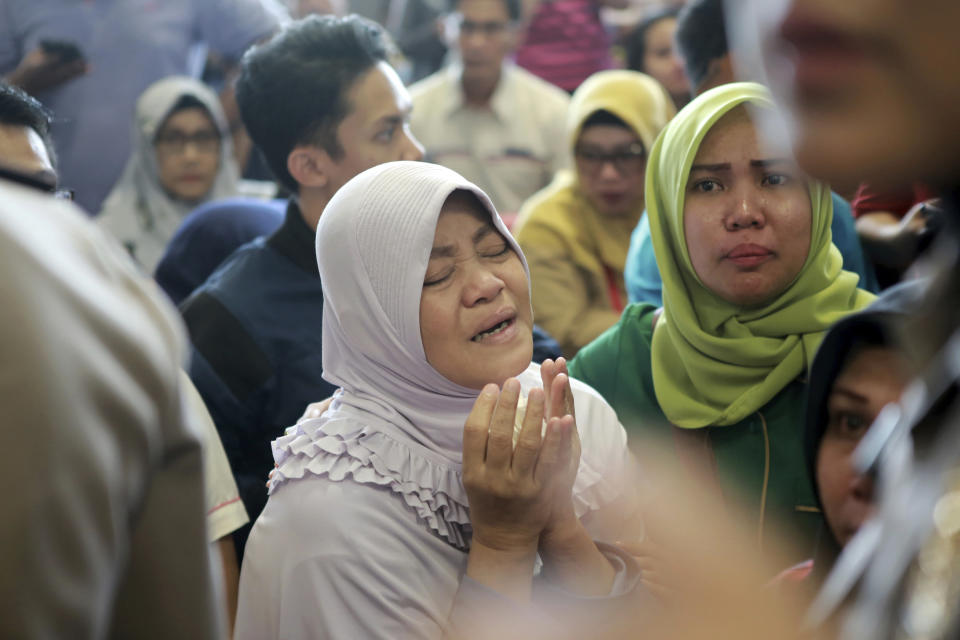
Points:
(257, 360)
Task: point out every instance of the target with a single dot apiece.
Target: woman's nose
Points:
(747, 212)
(483, 285)
(190, 152)
(608, 171)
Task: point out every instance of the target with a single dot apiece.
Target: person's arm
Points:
(891, 242)
(230, 568)
(103, 516)
(40, 70)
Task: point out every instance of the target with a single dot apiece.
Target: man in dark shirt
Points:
(323, 104)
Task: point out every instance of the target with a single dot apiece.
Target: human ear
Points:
(309, 166)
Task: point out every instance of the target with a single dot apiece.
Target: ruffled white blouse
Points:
(367, 536)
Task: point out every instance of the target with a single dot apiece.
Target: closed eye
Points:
(432, 281)
(496, 252)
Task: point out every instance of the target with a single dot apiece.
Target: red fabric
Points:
(613, 290)
(870, 199)
(565, 43)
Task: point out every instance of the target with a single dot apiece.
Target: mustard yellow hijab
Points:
(644, 105)
(715, 363)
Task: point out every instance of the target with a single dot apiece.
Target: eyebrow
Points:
(449, 251)
(483, 232)
(445, 251)
(725, 166)
(396, 117)
(849, 393)
(393, 118)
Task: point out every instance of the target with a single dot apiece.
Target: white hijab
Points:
(138, 211)
(397, 422)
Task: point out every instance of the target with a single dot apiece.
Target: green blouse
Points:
(760, 459)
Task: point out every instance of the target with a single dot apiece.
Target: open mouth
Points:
(495, 330)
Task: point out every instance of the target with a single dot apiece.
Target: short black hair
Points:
(292, 89)
(20, 109)
(513, 8)
(635, 43)
(701, 37)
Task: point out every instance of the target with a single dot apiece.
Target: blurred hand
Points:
(556, 386)
(40, 70)
(655, 567)
(915, 224)
(512, 490)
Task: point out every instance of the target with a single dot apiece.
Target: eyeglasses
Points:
(13, 175)
(457, 24)
(628, 159)
(175, 142)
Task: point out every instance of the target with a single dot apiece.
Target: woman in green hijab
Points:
(751, 283)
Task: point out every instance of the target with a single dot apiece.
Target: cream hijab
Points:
(138, 211)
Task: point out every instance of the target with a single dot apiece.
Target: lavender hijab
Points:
(397, 422)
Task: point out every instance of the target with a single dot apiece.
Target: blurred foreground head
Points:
(872, 84)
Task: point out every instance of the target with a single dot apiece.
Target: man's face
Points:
(485, 38)
(872, 83)
(377, 128)
(872, 378)
(22, 149)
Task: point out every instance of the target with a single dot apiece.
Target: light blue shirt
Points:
(643, 277)
(129, 44)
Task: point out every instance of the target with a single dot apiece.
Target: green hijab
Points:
(715, 363)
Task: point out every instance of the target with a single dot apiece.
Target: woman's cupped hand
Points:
(518, 492)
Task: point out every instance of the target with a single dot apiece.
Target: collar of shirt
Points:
(295, 240)
(500, 101)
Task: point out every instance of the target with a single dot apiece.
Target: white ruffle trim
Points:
(341, 449)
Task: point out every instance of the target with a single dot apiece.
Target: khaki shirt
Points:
(510, 149)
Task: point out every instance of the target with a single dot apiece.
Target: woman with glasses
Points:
(181, 158)
(576, 232)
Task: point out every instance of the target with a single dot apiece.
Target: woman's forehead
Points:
(463, 201)
(736, 133)
(462, 225)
